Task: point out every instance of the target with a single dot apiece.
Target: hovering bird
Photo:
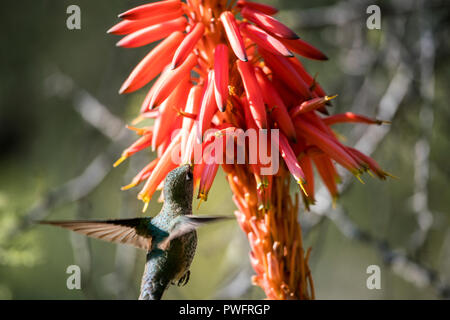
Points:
(170, 238)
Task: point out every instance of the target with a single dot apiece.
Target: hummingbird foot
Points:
(184, 279)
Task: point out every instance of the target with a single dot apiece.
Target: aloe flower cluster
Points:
(230, 65)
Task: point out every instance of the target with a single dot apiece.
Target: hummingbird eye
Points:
(189, 176)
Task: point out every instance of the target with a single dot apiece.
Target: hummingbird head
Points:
(179, 186)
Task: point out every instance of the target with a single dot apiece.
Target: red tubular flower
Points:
(153, 64)
(328, 173)
(129, 26)
(170, 80)
(310, 105)
(151, 9)
(264, 8)
(233, 35)
(252, 91)
(301, 71)
(291, 162)
(287, 73)
(262, 85)
(192, 107)
(143, 175)
(152, 33)
(169, 116)
(276, 105)
(221, 75)
(351, 117)
(304, 161)
(188, 44)
(268, 23)
(208, 107)
(164, 166)
(139, 145)
(304, 49)
(209, 172)
(328, 145)
(264, 40)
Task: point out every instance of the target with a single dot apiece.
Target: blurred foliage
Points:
(44, 142)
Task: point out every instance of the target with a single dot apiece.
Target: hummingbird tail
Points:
(153, 285)
(156, 278)
(152, 292)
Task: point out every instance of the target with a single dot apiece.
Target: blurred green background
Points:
(61, 128)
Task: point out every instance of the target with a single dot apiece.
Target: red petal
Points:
(291, 161)
(327, 144)
(207, 108)
(153, 64)
(276, 104)
(312, 83)
(207, 178)
(304, 49)
(305, 163)
(309, 105)
(221, 76)
(282, 67)
(327, 172)
(268, 23)
(264, 8)
(142, 175)
(164, 166)
(169, 117)
(264, 40)
(233, 35)
(351, 117)
(253, 93)
(152, 33)
(188, 44)
(192, 107)
(372, 164)
(130, 26)
(151, 9)
(170, 80)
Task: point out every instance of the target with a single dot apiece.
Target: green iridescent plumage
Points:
(169, 238)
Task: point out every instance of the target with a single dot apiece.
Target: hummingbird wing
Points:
(187, 223)
(127, 231)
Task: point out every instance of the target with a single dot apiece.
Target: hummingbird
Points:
(170, 238)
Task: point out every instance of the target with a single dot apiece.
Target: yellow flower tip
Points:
(136, 120)
(231, 90)
(380, 122)
(391, 175)
(302, 186)
(370, 173)
(259, 185)
(120, 160)
(144, 209)
(202, 198)
(262, 184)
(327, 98)
(334, 201)
(138, 131)
(358, 176)
(129, 186)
